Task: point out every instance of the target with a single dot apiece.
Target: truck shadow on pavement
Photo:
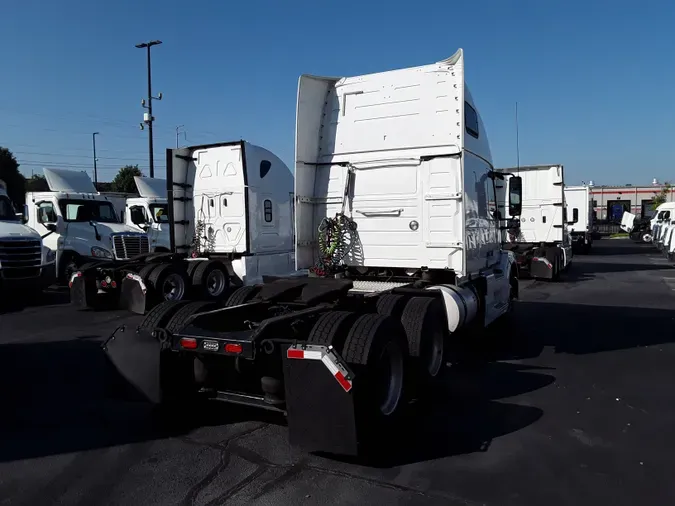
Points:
(598, 329)
(51, 297)
(58, 404)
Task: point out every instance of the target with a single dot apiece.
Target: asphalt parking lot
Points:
(578, 409)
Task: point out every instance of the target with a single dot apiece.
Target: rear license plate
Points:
(210, 345)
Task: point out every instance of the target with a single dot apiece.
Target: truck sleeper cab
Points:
(537, 233)
(394, 219)
(227, 215)
(580, 209)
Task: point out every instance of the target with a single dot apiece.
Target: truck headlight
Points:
(97, 252)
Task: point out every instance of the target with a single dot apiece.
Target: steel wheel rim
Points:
(390, 375)
(215, 283)
(173, 287)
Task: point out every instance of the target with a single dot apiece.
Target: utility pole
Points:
(93, 141)
(147, 117)
(178, 132)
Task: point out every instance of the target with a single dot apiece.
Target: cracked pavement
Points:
(575, 408)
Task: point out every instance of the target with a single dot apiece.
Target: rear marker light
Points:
(188, 343)
(233, 348)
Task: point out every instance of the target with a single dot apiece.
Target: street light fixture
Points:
(93, 141)
(147, 117)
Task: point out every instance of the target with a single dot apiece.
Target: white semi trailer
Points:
(394, 192)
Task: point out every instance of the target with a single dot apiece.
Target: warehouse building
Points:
(609, 202)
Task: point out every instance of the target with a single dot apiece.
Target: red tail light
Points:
(188, 343)
(103, 284)
(233, 348)
(113, 284)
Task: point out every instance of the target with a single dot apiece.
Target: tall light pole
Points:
(178, 132)
(93, 141)
(147, 117)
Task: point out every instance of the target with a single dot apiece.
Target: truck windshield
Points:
(7, 209)
(88, 210)
(160, 213)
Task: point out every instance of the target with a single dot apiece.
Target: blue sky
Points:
(594, 79)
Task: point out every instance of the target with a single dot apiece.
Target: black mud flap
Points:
(321, 414)
(83, 292)
(134, 295)
(541, 268)
(135, 359)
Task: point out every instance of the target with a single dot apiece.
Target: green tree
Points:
(9, 173)
(37, 183)
(124, 180)
(662, 196)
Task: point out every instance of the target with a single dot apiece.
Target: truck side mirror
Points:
(515, 195)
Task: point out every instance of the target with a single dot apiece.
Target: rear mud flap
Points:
(541, 268)
(134, 295)
(83, 292)
(135, 360)
(321, 414)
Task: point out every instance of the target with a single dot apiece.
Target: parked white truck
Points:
(579, 205)
(26, 265)
(538, 235)
(149, 212)
(84, 223)
(229, 218)
(395, 193)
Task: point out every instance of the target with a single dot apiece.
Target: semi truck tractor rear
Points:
(395, 221)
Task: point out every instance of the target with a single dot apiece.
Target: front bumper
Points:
(35, 279)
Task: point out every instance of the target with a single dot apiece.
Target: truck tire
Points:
(146, 270)
(422, 319)
(332, 328)
(390, 304)
(211, 279)
(160, 315)
(179, 319)
(168, 282)
(377, 350)
(71, 263)
(242, 295)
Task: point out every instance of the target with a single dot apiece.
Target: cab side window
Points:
(46, 213)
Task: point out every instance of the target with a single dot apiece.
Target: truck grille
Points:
(20, 258)
(130, 246)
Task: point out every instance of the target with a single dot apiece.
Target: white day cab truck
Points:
(229, 211)
(26, 265)
(84, 224)
(393, 185)
(149, 212)
(579, 202)
(537, 234)
(661, 222)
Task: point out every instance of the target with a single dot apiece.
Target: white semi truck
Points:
(84, 224)
(537, 234)
(26, 265)
(394, 218)
(229, 219)
(149, 212)
(579, 202)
